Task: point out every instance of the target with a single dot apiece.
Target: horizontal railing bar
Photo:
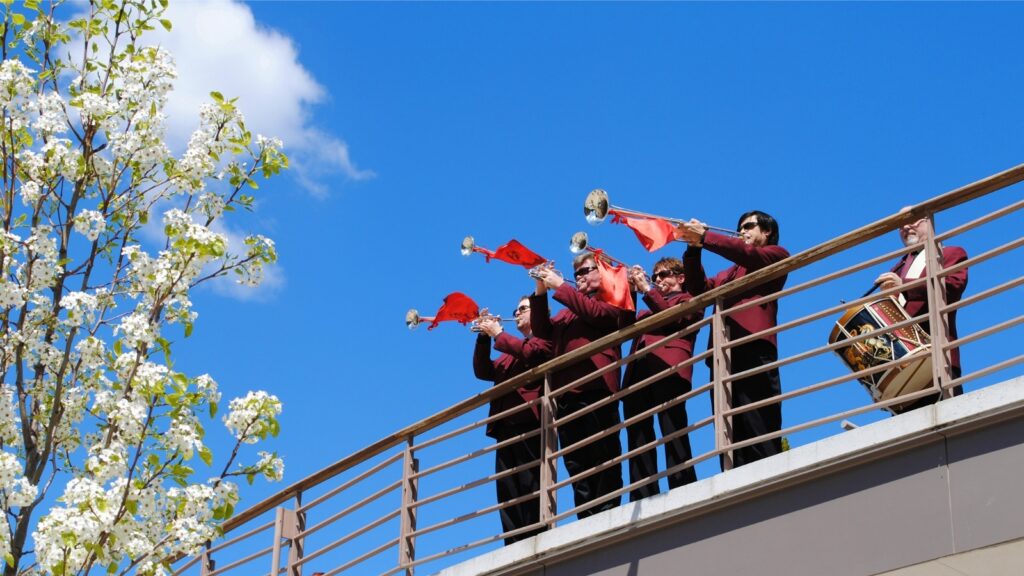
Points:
(473, 425)
(795, 262)
(389, 544)
(815, 387)
(226, 543)
(983, 257)
(474, 454)
(347, 538)
(334, 491)
(473, 484)
(979, 221)
(246, 560)
(823, 279)
(985, 372)
(356, 506)
(901, 399)
(838, 308)
(984, 333)
(187, 565)
(822, 349)
(614, 461)
(1009, 285)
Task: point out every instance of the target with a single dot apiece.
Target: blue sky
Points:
(420, 123)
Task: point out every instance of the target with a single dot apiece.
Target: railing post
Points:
(285, 528)
(295, 550)
(936, 293)
(407, 523)
(720, 389)
(206, 563)
(548, 463)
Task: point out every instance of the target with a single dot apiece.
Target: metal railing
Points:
(419, 498)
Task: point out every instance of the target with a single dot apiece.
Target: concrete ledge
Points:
(799, 465)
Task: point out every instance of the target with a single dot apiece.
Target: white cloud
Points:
(218, 45)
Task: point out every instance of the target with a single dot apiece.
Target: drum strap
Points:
(913, 272)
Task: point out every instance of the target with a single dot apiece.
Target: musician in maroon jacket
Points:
(756, 247)
(915, 300)
(517, 356)
(584, 319)
(666, 293)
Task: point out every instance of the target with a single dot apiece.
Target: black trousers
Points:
(582, 459)
(521, 483)
(753, 389)
(677, 451)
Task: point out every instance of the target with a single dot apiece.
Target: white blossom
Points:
(253, 417)
(90, 224)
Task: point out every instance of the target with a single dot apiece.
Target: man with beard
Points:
(915, 300)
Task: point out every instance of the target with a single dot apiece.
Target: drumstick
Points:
(874, 287)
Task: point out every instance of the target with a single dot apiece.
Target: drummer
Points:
(915, 300)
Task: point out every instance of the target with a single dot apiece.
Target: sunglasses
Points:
(664, 274)
(584, 271)
(749, 226)
(520, 310)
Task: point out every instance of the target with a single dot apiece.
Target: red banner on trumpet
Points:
(653, 233)
(614, 287)
(458, 307)
(512, 252)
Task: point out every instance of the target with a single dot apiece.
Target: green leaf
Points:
(132, 506)
(188, 329)
(217, 96)
(166, 24)
(250, 477)
(213, 409)
(143, 217)
(206, 456)
(9, 559)
(117, 347)
(153, 460)
(18, 19)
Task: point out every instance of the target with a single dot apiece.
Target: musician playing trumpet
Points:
(518, 355)
(666, 292)
(755, 248)
(584, 319)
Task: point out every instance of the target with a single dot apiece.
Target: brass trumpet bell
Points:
(413, 319)
(578, 242)
(468, 244)
(595, 207)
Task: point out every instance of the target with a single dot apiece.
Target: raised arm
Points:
(694, 279)
(739, 252)
(540, 316)
(590, 310)
(483, 367)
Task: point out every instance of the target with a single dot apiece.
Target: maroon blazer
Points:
(518, 356)
(746, 259)
(583, 320)
(955, 284)
(678, 350)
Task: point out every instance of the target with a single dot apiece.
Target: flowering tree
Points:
(98, 434)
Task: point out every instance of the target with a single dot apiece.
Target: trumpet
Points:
(413, 319)
(486, 315)
(596, 208)
(468, 246)
(579, 242)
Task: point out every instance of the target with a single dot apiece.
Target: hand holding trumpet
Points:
(692, 232)
(547, 277)
(638, 279)
(487, 324)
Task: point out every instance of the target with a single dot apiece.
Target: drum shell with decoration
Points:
(910, 344)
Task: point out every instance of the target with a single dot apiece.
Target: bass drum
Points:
(910, 344)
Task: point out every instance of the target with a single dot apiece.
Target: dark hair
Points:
(766, 223)
(675, 265)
